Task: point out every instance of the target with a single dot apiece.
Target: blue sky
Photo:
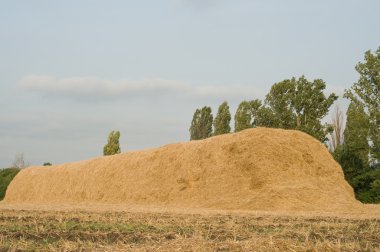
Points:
(72, 71)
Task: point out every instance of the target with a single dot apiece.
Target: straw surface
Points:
(255, 169)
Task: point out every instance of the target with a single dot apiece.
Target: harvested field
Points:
(256, 169)
(113, 231)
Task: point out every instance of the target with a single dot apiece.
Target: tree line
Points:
(290, 104)
(301, 104)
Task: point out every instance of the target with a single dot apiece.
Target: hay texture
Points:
(256, 169)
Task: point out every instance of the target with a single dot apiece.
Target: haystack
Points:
(256, 169)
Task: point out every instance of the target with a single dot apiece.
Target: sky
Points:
(72, 71)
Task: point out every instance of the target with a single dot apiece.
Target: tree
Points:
(353, 154)
(222, 120)
(243, 116)
(300, 104)
(336, 136)
(265, 117)
(246, 113)
(352, 165)
(367, 186)
(47, 164)
(201, 125)
(356, 132)
(279, 102)
(112, 147)
(19, 161)
(366, 92)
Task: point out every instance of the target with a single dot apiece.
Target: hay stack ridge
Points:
(256, 169)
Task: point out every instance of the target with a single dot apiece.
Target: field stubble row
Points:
(80, 230)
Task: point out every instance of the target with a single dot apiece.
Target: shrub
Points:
(367, 186)
(6, 176)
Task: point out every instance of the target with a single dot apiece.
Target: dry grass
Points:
(112, 231)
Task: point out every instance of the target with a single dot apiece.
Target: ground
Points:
(88, 230)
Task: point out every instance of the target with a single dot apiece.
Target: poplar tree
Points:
(353, 154)
(337, 136)
(356, 132)
(112, 147)
(222, 120)
(201, 125)
(367, 93)
(247, 114)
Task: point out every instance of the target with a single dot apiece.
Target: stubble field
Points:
(38, 230)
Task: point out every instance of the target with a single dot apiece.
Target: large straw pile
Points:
(256, 169)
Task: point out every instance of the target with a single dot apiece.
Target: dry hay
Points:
(256, 169)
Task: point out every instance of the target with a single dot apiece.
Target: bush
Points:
(367, 186)
(6, 176)
(364, 178)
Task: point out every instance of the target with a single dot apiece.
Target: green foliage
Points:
(279, 101)
(47, 164)
(247, 114)
(366, 92)
(367, 186)
(222, 120)
(362, 133)
(298, 104)
(6, 176)
(265, 117)
(243, 116)
(351, 162)
(112, 147)
(356, 132)
(364, 179)
(201, 125)
(353, 156)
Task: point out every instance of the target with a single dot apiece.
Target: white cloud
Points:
(89, 85)
(93, 87)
